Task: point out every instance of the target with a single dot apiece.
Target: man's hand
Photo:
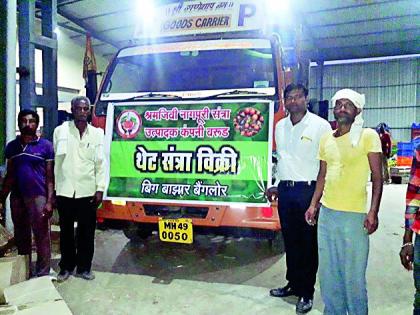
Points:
(272, 193)
(310, 215)
(48, 210)
(407, 256)
(371, 222)
(97, 198)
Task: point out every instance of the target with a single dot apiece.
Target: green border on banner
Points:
(190, 152)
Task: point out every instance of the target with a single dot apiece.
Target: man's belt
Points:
(291, 183)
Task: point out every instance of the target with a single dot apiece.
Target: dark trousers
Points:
(300, 239)
(76, 251)
(27, 216)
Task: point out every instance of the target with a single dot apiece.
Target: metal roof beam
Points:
(71, 28)
(349, 7)
(109, 30)
(64, 25)
(86, 27)
(99, 45)
(105, 14)
(365, 21)
(368, 33)
(356, 51)
(62, 3)
(108, 55)
(117, 28)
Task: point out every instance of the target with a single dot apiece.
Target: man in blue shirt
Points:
(30, 179)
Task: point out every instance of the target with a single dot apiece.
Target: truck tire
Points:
(136, 232)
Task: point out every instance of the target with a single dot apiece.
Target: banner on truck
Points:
(212, 152)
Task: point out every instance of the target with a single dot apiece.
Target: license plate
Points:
(176, 230)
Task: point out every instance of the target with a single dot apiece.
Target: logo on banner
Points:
(128, 124)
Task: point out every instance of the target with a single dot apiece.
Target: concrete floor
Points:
(226, 276)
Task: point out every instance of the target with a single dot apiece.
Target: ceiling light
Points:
(146, 10)
(277, 6)
(279, 12)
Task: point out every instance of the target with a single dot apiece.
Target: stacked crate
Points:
(415, 131)
(405, 153)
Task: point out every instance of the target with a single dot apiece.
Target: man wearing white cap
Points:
(348, 155)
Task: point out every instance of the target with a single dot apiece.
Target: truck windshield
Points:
(182, 67)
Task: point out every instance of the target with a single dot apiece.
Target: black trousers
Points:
(76, 250)
(300, 238)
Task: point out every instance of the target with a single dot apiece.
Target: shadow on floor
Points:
(210, 258)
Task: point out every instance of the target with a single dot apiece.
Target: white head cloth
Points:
(359, 101)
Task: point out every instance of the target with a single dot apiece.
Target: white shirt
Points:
(79, 162)
(297, 147)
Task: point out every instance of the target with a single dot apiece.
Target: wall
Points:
(391, 88)
(70, 62)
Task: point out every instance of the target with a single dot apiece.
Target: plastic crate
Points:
(406, 146)
(403, 153)
(404, 160)
(416, 142)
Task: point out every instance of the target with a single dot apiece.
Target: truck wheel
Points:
(137, 232)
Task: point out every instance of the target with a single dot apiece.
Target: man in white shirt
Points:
(297, 139)
(79, 183)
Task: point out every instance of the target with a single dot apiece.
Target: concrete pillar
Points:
(7, 83)
(47, 42)
(303, 72)
(27, 95)
(49, 67)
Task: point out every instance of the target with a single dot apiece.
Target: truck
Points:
(202, 58)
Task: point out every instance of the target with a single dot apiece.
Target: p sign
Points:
(246, 11)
